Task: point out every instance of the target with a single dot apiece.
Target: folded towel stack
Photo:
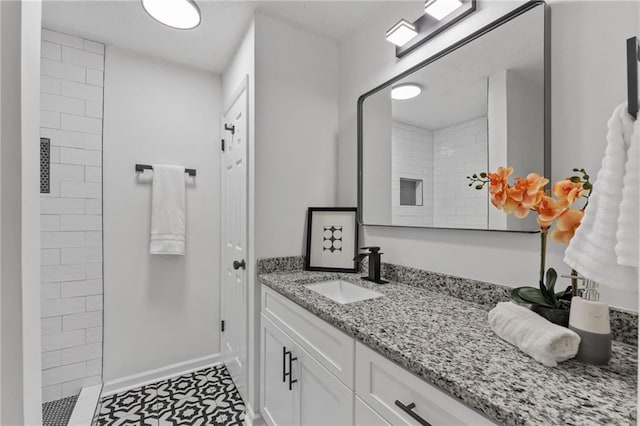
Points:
(545, 342)
(168, 221)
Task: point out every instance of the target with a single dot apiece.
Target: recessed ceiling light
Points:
(180, 14)
(401, 32)
(406, 91)
(441, 8)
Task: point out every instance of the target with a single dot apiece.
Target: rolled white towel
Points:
(545, 342)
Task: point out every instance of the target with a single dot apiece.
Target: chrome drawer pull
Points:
(409, 410)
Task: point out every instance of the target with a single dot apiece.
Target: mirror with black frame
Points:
(477, 105)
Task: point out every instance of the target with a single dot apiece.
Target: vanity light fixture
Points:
(401, 32)
(402, 92)
(180, 14)
(439, 9)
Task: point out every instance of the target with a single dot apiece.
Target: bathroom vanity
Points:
(419, 355)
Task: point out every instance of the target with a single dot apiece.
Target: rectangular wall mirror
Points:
(483, 103)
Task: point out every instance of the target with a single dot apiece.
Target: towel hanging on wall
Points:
(168, 220)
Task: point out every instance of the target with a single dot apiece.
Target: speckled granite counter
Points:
(448, 342)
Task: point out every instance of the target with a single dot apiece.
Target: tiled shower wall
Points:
(72, 78)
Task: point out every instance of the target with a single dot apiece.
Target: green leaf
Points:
(575, 179)
(552, 277)
(530, 295)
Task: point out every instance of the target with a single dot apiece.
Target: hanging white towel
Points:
(542, 340)
(628, 223)
(168, 210)
(591, 251)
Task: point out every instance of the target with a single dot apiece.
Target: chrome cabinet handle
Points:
(409, 410)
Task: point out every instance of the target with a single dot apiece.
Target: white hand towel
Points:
(545, 342)
(628, 226)
(592, 249)
(168, 210)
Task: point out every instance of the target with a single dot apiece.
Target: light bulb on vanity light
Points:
(402, 92)
(439, 9)
(401, 32)
(180, 14)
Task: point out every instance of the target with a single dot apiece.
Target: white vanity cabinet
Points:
(314, 374)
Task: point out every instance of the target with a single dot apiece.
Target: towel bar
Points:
(633, 56)
(143, 167)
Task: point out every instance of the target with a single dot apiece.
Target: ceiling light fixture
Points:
(439, 9)
(402, 92)
(401, 32)
(180, 14)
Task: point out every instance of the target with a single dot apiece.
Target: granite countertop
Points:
(448, 342)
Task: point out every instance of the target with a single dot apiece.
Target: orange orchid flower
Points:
(566, 225)
(568, 191)
(525, 195)
(548, 210)
(498, 185)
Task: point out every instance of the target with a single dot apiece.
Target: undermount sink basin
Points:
(343, 292)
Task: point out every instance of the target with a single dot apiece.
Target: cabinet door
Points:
(278, 402)
(322, 399)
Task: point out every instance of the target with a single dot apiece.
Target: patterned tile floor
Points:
(205, 397)
(58, 413)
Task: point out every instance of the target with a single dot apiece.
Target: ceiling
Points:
(211, 45)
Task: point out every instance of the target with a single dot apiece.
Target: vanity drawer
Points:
(333, 349)
(380, 383)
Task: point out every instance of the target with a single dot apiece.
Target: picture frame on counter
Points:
(332, 239)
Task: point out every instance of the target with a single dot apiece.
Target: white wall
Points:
(20, 383)
(71, 215)
(588, 41)
(159, 310)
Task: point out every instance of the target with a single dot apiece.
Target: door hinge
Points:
(222, 326)
(222, 144)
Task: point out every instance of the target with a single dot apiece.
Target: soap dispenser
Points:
(589, 318)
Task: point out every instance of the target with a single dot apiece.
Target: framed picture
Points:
(332, 239)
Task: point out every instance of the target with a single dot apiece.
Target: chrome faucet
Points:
(374, 264)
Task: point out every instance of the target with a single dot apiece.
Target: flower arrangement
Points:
(528, 195)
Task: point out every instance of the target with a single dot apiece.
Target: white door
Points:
(233, 298)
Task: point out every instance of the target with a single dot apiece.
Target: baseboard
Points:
(152, 376)
(251, 418)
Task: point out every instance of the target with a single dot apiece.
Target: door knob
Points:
(239, 264)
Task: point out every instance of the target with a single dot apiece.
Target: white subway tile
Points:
(94, 334)
(75, 386)
(95, 77)
(83, 58)
(50, 50)
(80, 222)
(62, 239)
(49, 85)
(51, 325)
(60, 38)
(51, 359)
(65, 339)
(49, 222)
(67, 172)
(93, 142)
(94, 367)
(72, 139)
(81, 90)
(94, 238)
(85, 157)
(80, 189)
(58, 273)
(50, 291)
(50, 119)
(56, 103)
(49, 257)
(65, 72)
(93, 174)
(81, 288)
(92, 46)
(81, 255)
(81, 353)
(94, 270)
(94, 303)
(61, 205)
(93, 109)
(51, 393)
(64, 373)
(82, 320)
(80, 124)
(94, 206)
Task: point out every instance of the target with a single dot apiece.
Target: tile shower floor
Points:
(204, 397)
